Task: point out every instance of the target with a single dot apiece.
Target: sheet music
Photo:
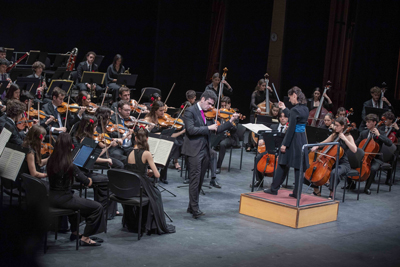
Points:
(256, 127)
(4, 137)
(160, 149)
(10, 163)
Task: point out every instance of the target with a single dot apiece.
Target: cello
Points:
(317, 115)
(320, 170)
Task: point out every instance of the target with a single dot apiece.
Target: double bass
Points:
(320, 170)
(317, 115)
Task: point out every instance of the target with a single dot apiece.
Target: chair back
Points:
(240, 131)
(355, 158)
(124, 184)
(37, 198)
(149, 91)
(388, 152)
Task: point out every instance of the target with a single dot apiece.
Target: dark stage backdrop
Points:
(166, 41)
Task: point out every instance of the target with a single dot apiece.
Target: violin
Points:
(223, 113)
(71, 107)
(46, 148)
(102, 138)
(370, 148)
(113, 127)
(320, 170)
(317, 115)
(139, 108)
(34, 113)
(91, 109)
(23, 123)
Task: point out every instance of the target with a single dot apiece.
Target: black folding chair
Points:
(388, 156)
(240, 132)
(355, 160)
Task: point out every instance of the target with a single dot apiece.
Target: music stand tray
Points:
(378, 111)
(66, 85)
(19, 72)
(316, 135)
(60, 60)
(28, 84)
(61, 73)
(36, 55)
(9, 53)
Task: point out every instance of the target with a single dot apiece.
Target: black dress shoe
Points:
(269, 191)
(197, 214)
(214, 183)
(189, 210)
(293, 195)
(186, 181)
(218, 171)
(163, 181)
(367, 191)
(257, 184)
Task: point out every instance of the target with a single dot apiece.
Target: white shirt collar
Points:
(198, 105)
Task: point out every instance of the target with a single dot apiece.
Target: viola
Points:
(165, 121)
(24, 123)
(91, 109)
(178, 124)
(317, 115)
(46, 148)
(320, 170)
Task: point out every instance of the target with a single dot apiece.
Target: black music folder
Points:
(28, 84)
(378, 111)
(19, 72)
(129, 80)
(36, 55)
(93, 77)
(86, 154)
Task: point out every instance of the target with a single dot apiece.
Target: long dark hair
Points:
(116, 57)
(154, 107)
(10, 93)
(258, 86)
(86, 127)
(104, 113)
(141, 139)
(79, 98)
(301, 98)
(60, 162)
(32, 140)
(342, 121)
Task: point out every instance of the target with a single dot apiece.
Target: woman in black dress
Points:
(62, 172)
(313, 102)
(153, 219)
(33, 161)
(295, 138)
(113, 71)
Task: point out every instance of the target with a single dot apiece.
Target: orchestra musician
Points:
(373, 102)
(113, 71)
(88, 65)
(156, 113)
(197, 145)
(314, 101)
(13, 93)
(3, 53)
(15, 111)
(329, 122)
(295, 138)
(38, 68)
(124, 93)
(280, 127)
(379, 137)
(215, 84)
(274, 111)
(346, 142)
(4, 76)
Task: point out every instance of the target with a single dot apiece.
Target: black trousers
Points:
(375, 164)
(280, 176)
(92, 211)
(197, 170)
(113, 89)
(223, 145)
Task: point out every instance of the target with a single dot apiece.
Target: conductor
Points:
(196, 145)
(295, 138)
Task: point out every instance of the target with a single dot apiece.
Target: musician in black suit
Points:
(58, 126)
(38, 68)
(374, 102)
(196, 145)
(379, 137)
(87, 65)
(15, 111)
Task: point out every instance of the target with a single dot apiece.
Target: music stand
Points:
(316, 135)
(60, 60)
(266, 120)
(36, 55)
(61, 73)
(66, 85)
(377, 111)
(19, 72)
(9, 53)
(129, 80)
(28, 84)
(93, 77)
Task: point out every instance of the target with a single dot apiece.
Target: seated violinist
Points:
(346, 142)
(380, 138)
(38, 68)
(51, 108)
(375, 103)
(274, 111)
(190, 100)
(281, 127)
(156, 115)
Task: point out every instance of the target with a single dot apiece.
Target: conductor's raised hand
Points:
(213, 127)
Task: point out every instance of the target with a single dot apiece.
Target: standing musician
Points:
(281, 127)
(38, 68)
(314, 101)
(156, 113)
(346, 142)
(257, 97)
(214, 85)
(295, 138)
(88, 65)
(374, 103)
(58, 126)
(380, 138)
(230, 138)
(197, 145)
(113, 71)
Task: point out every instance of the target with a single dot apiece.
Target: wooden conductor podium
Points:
(282, 209)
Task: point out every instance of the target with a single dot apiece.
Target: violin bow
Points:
(31, 87)
(38, 115)
(179, 115)
(102, 129)
(104, 96)
(170, 91)
(137, 119)
(221, 85)
(142, 95)
(116, 120)
(66, 114)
